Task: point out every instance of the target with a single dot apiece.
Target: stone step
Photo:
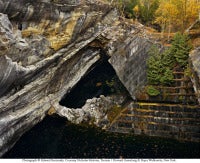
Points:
(178, 72)
(177, 134)
(166, 107)
(173, 128)
(177, 121)
(144, 103)
(163, 113)
(182, 94)
(149, 119)
(159, 126)
(174, 88)
(181, 79)
(178, 99)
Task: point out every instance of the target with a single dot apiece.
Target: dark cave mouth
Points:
(100, 79)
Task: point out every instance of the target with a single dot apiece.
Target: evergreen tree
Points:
(168, 59)
(180, 49)
(159, 67)
(154, 66)
(167, 76)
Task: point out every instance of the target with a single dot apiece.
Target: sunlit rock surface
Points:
(94, 111)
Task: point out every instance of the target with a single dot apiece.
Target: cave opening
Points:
(101, 79)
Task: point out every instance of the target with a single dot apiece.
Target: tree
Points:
(166, 14)
(136, 11)
(167, 76)
(173, 14)
(147, 9)
(160, 64)
(168, 59)
(180, 48)
(159, 67)
(129, 6)
(154, 66)
(188, 11)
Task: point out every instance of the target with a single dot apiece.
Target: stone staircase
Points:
(181, 91)
(175, 113)
(164, 120)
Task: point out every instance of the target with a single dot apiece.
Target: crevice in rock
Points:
(101, 79)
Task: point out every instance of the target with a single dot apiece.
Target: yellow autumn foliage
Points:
(178, 14)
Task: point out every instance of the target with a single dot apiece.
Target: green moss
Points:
(151, 91)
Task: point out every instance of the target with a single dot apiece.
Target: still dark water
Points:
(56, 138)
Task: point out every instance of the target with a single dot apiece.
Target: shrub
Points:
(151, 91)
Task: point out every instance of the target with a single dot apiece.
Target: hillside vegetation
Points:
(170, 15)
(173, 23)
(166, 16)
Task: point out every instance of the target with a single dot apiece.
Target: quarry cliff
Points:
(47, 47)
